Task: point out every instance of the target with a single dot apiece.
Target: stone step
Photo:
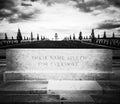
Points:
(56, 99)
(73, 87)
(116, 75)
(29, 98)
(106, 99)
(75, 98)
(69, 92)
(25, 92)
(110, 87)
(85, 87)
(24, 87)
(52, 87)
(90, 99)
(82, 75)
(46, 99)
(61, 87)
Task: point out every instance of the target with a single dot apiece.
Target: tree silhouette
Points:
(6, 38)
(44, 38)
(41, 37)
(12, 38)
(70, 37)
(113, 36)
(19, 36)
(89, 37)
(56, 36)
(73, 36)
(37, 36)
(86, 37)
(104, 35)
(24, 38)
(80, 36)
(93, 39)
(31, 36)
(98, 36)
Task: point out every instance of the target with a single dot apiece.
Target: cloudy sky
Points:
(64, 17)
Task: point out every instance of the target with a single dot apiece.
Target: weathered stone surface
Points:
(74, 85)
(62, 64)
(81, 98)
(58, 59)
(30, 98)
(23, 86)
(62, 75)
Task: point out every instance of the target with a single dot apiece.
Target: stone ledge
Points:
(11, 76)
(29, 98)
(106, 99)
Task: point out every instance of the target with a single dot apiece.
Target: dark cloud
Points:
(9, 8)
(26, 4)
(23, 16)
(114, 2)
(34, 0)
(51, 2)
(109, 24)
(6, 7)
(17, 10)
(20, 17)
(83, 7)
(5, 13)
(6, 4)
(118, 31)
(92, 5)
(48, 2)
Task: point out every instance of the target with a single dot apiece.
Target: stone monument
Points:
(61, 64)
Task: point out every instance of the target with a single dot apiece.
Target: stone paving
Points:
(101, 91)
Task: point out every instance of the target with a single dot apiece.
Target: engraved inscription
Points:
(59, 60)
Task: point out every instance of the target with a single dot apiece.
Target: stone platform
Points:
(60, 92)
(51, 86)
(61, 87)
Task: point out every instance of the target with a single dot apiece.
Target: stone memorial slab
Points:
(58, 59)
(32, 62)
